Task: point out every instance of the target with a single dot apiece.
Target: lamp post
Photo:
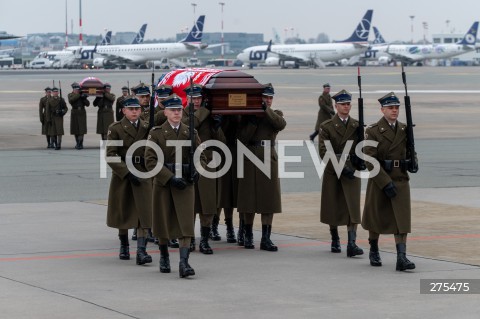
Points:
(411, 18)
(447, 22)
(194, 5)
(222, 48)
(425, 28)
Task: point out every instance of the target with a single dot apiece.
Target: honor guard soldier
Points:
(119, 103)
(162, 92)
(257, 192)
(387, 202)
(208, 128)
(129, 197)
(55, 111)
(105, 110)
(173, 192)
(78, 118)
(326, 111)
(42, 112)
(142, 92)
(340, 203)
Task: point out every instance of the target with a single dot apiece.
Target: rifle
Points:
(128, 86)
(192, 135)
(60, 111)
(361, 123)
(412, 162)
(152, 100)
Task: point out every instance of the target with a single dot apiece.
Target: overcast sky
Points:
(307, 18)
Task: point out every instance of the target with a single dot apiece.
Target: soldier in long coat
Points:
(326, 111)
(162, 92)
(257, 192)
(340, 203)
(227, 184)
(119, 103)
(387, 204)
(105, 111)
(130, 196)
(78, 117)
(208, 128)
(42, 106)
(142, 91)
(55, 111)
(173, 193)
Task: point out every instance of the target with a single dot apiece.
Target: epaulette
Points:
(115, 123)
(327, 121)
(372, 125)
(154, 128)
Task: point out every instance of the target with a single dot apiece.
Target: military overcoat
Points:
(257, 192)
(56, 109)
(105, 112)
(78, 117)
(127, 203)
(206, 188)
(381, 214)
(326, 111)
(340, 202)
(42, 113)
(173, 215)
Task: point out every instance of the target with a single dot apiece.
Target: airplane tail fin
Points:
(362, 30)
(471, 36)
(196, 33)
(141, 33)
(269, 47)
(378, 37)
(107, 39)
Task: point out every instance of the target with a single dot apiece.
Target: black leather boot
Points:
(150, 237)
(374, 254)
(241, 232)
(214, 235)
(164, 259)
(184, 269)
(49, 141)
(58, 143)
(124, 247)
(192, 244)
(204, 247)
(352, 248)
(248, 244)
(173, 243)
(142, 256)
(402, 262)
(76, 142)
(266, 243)
(80, 142)
(134, 235)
(230, 231)
(335, 246)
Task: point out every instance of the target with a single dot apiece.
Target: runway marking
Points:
(383, 238)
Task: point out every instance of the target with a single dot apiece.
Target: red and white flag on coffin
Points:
(180, 79)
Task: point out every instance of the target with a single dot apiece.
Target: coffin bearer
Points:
(387, 203)
(173, 194)
(326, 111)
(78, 118)
(257, 192)
(162, 92)
(130, 197)
(105, 110)
(56, 109)
(42, 105)
(119, 103)
(340, 203)
(208, 128)
(142, 92)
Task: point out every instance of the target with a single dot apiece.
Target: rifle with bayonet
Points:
(62, 106)
(358, 162)
(191, 125)
(412, 165)
(152, 100)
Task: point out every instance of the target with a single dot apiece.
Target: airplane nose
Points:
(242, 56)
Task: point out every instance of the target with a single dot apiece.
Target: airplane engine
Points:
(101, 62)
(272, 61)
(383, 60)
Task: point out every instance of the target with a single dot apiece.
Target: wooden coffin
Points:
(234, 92)
(92, 86)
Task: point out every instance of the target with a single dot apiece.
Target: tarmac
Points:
(59, 260)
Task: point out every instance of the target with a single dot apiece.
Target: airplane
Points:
(6, 36)
(142, 53)
(316, 54)
(376, 52)
(141, 33)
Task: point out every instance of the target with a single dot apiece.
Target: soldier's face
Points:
(343, 109)
(132, 113)
(125, 93)
(268, 100)
(391, 112)
(174, 116)
(144, 99)
(326, 90)
(197, 101)
(55, 93)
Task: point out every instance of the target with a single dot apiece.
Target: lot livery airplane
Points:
(316, 53)
(142, 53)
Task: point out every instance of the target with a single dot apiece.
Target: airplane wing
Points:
(115, 59)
